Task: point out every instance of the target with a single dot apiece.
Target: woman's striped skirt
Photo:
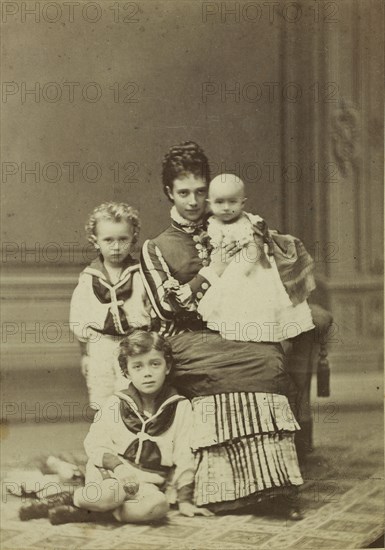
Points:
(243, 436)
(244, 448)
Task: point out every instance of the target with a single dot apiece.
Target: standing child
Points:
(262, 290)
(109, 300)
(139, 444)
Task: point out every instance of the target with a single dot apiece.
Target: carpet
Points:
(342, 498)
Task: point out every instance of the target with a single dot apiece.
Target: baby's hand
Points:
(188, 509)
(125, 476)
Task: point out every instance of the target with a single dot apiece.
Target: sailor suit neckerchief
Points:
(143, 451)
(113, 294)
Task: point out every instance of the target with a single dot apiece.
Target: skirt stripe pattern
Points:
(228, 416)
(243, 445)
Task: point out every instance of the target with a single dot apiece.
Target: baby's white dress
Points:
(249, 301)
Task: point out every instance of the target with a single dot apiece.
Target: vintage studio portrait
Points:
(192, 274)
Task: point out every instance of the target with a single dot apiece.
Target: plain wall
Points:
(169, 54)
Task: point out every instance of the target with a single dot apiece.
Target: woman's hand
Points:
(184, 297)
(171, 285)
(232, 247)
(188, 509)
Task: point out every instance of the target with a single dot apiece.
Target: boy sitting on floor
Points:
(138, 447)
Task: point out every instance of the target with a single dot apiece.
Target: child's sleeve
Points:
(138, 307)
(78, 310)
(183, 478)
(98, 441)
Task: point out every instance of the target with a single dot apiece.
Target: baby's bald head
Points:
(226, 197)
(226, 184)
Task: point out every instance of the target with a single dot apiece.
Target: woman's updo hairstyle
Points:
(183, 160)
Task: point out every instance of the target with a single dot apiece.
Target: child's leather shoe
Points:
(71, 514)
(39, 508)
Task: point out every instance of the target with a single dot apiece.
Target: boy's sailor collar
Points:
(98, 269)
(167, 396)
(147, 428)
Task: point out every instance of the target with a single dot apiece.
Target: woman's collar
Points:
(186, 225)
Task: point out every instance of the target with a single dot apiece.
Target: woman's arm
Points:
(167, 296)
(155, 273)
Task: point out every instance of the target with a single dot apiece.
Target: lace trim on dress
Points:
(184, 224)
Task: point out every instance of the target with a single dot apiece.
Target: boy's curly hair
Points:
(116, 212)
(182, 160)
(139, 342)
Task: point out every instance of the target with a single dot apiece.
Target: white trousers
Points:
(104, 376)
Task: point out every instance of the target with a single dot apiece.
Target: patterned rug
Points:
(342, 498)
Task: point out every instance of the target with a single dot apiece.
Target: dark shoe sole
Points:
(33, 511)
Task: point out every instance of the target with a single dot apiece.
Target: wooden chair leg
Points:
(304, 440)
(323, 372)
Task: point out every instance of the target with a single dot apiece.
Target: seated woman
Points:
(243, 431)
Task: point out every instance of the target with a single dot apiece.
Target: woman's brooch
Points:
(203, 246)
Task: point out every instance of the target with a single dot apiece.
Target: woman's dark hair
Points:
(139, 342)
(182, 160)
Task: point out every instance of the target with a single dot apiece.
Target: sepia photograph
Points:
(192, 268)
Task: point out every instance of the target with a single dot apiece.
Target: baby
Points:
(261, 292)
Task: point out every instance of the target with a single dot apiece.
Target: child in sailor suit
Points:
(138, 446)
(109, 300)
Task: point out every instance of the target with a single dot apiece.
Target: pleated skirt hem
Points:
(244, 447)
